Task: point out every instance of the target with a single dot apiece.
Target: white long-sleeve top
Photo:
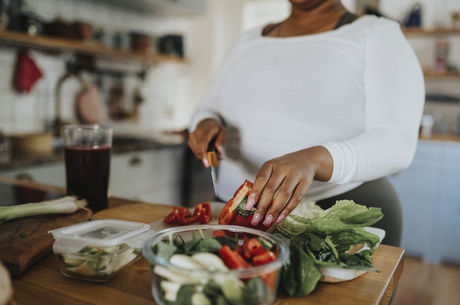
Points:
(357, 90)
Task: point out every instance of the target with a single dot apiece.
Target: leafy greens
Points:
(326, 238)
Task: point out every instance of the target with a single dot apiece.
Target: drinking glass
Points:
(87, 163)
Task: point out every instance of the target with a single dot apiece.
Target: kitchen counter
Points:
(121, 144)
(44, 284)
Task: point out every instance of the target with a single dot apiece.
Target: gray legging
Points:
(377, 193)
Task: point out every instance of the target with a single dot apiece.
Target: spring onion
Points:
(65, 205)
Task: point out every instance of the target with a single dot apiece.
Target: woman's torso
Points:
(281, 95)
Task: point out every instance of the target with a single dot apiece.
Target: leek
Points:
(65, 205)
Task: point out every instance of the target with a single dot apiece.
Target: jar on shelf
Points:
(442, 54)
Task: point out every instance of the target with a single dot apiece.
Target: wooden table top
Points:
(44, 284)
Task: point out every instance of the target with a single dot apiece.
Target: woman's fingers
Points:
(262, 178)
(199, 139)
(266, 197)
(220, 139)
(299, 192)
(285, 192)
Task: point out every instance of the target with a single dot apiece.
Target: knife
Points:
(213, 162)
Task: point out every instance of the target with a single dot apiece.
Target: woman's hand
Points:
(290, 177)
(204, 132)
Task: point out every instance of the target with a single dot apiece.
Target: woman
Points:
(322, 105)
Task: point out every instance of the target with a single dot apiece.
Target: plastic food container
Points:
(98, 250)
(254, 285)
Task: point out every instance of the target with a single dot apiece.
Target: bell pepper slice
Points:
(270, 279)
(171, 217)
(203, 210)
(252, 247)
(184, 217)
(218, 233)
(229, 211)
(264, 258)
(232, 259)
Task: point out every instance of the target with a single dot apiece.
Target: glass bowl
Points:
(173, 285)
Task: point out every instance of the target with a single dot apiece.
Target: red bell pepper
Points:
(184, 217)
(270, 279)
(171, 218)
(252, 247)
(218, 233)
(229, 211)
(203, 210)
(232, 259)
(264, 258)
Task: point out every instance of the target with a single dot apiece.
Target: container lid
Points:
(100, 233)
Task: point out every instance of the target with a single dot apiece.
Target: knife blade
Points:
(213, 162)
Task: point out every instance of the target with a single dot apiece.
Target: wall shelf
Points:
(430, 32)
(84, 47)
(439, 75)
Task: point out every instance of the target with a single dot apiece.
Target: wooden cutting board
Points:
(24, 241)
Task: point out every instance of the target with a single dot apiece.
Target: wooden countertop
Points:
(44, 284)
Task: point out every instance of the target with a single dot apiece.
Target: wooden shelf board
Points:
(86, 47)
(437, 31)
(427, 32)
(439, 75)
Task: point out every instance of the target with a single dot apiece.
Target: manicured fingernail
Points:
(250, 203)
(281, 217)
(205, 162)
(256, 219)
(268, 220)
(220, 149)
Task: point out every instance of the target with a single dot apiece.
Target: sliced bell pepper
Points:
(171, 217)
(263, 258)
(270, 279)
(252, 247)
(229, 211)
(203, 210)
(232, 259)
(184, 217)
(218, 233)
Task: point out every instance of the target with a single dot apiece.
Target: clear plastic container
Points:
(98, 250)
(255, 285)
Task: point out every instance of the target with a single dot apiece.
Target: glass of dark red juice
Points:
(87, 163)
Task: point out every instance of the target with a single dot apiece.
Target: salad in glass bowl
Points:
(215, 264)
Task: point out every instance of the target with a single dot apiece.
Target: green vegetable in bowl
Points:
(99, 262)
(256, 292)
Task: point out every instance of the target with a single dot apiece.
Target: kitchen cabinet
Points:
(429, 191)
(150, 175)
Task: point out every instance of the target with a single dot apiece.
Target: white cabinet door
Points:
(152, 176)
(429, 191)
(49, 173)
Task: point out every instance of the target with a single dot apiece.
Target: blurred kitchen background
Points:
(143, 65)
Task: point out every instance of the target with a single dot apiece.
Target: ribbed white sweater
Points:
(358, 91)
